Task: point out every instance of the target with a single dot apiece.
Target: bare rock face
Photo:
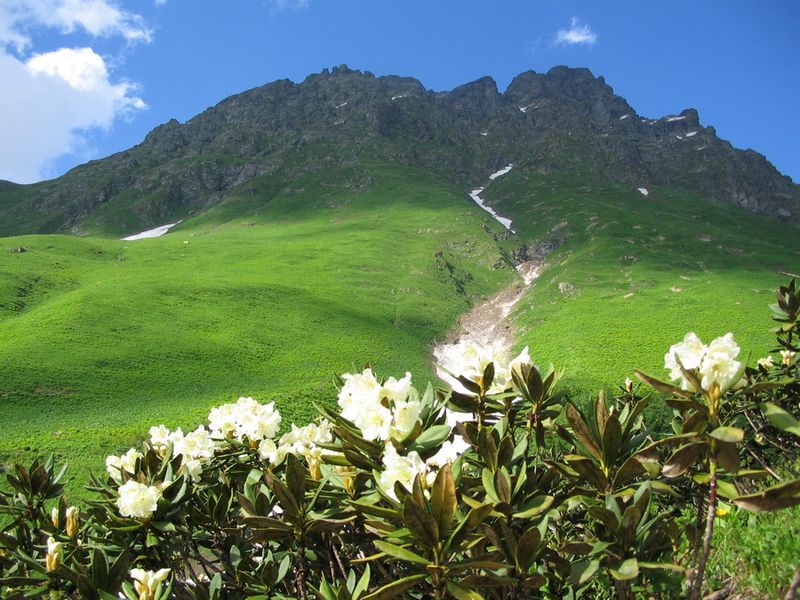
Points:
(566, 120)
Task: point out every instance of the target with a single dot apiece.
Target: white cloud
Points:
(48, 104)
(51, 100)
(576, 34)
(279, 6)
(95, 17)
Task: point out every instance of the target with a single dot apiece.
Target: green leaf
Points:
(662, 386)
(683, 459)
(774, 498)
(462, 593)
(362, 585)
(728, 434)
(431, 437)
(527, 549)
(534, 507)
(582, 571)
(400, 553)
(780, 418)
(422, 525)
(583, 432)
(629, 569)
(395, 588)
(443, 500)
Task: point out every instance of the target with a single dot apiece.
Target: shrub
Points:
(498, 487)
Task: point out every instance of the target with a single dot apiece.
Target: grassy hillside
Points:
(268, 295)
(633, 273)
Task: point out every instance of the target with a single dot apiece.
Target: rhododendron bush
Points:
(497, 484)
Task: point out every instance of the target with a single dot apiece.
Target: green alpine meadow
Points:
(351, 338)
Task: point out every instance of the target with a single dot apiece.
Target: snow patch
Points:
(398, 97)
(623, 117)
(341, 105)
(476, 197)
(643, 191)
(523, 108)
(691, 134)
(701, 148)
(670, 119)
(680, 137)
(501, 172)
(150, 233)
(484, 133)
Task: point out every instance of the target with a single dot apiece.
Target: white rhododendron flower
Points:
(404, 418)
(766, 362)
(196, 445)
(361, 391)
(380, 411)
(715, 363)
(375, 422)
(719, 365)
(403, 469)
(159, 438)
(449, 452)
(690, 352)
(146, 583)
(193, 468)
(469, 359)
(137, 500)
(301, 441)
(786, 357)
(245, 418)
(127, 462)
(397, 390)
(268, 451)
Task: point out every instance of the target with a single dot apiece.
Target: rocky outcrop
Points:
(565, 120)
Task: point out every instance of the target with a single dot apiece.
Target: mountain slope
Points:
(99, 339)
(545, 123)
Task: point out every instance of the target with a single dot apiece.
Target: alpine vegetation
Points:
(495, 486)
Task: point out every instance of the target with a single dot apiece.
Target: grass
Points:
(99, 338)
(758, 551)
(633, 274)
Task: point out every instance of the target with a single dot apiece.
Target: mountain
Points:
(564, 121)
(329, 223)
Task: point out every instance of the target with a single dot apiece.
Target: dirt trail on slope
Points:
(488, 321)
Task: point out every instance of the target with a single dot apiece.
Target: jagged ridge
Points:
(564, 120)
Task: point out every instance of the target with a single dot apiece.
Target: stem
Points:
(762, 463)
(791, 593)
(623, 589)
(300, 578)
(698, 522)
(697, 583)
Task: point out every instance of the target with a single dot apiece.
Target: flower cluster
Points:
(196, 448)
(138, 500)
(245, 418)
(714, 363)
(304, 441)
(469, 359)
(115, 465)
(404, 469)
(381, 411)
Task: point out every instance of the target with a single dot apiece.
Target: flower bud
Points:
(148, 582)
(53, 559)
(628, 385)
(73, 525)
(54, 517)
(314, 469)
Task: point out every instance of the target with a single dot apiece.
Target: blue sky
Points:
(85, 78)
